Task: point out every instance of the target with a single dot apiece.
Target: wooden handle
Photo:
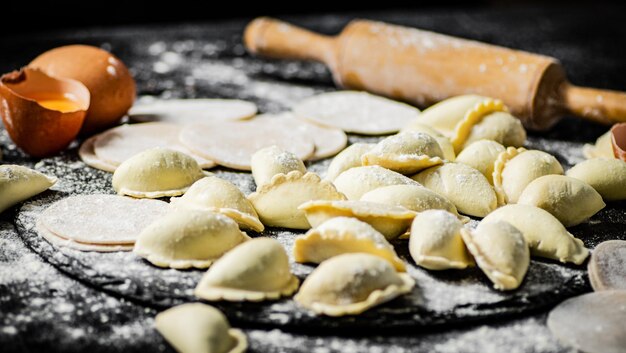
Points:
(599, 105)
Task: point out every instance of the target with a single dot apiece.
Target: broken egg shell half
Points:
(37, 130)
(618, 140)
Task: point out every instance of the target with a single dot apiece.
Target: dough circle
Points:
(607, 267)
(187, 111)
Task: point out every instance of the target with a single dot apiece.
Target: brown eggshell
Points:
(111, 85)
(618, 140)
(37, 130)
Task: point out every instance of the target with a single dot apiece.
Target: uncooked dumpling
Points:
(350, 284)
(253, 271)
(500, 251)
(273, 160)
(342, 235)
(157, 172)
(199, 328)
(19, 183)
(607, 267)
(184, 239)
(601, 149)
(570, 200)
(277, 202)
(607, 176)
(500, 127)
(218, 195)
(346, 159)
(481, 155)
(436, 243)
(407, 153)
(186, 111)
(463, 185)
(355, 182)
(444, 142)
(545, 235)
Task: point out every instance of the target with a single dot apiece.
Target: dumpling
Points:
(607, 176)
(256, 270)
(350, 284)
(436, 243)
(218, 195)
(570, 200)
(157, 172)
(444, 142)
(463, 185)
(500, 251)
(197, 327)
(184, 239)
(500, 127)
(516, 168)
(269, 161)
(412, 197)
(481, 155)
(342, 235)
(406, 153)
(601, 149)
(277, 202)
(346, 159)
(357, 181)
(545, 235)
(391, 221)
(19, 183)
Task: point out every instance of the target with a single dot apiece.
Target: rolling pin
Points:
(422, 68)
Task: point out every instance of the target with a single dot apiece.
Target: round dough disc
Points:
(357, 112)
(59, 241)
(101, 219)
(592, 322)
(607, 267)
(232, 144)
(116, 145)
(88, 156)
(188, 111)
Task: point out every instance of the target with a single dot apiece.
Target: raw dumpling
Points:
(277, 202)
(444, 142)
(197, 327)
(357, 181)
(545, 235)
(218, 195)
(500, 127)
(436, 243)
(272, 160)
(601, 149)
(391, 221)
(500, 251)
(516, 168)
(19, 183)
(607, 267)
(155, 173)
(184, 239)
(464, 186)
(342, 235)
(570, 200)
(607, 176)
(406, 153)
(256, 270)
(481, 155)
(346, 159)
(349, 284)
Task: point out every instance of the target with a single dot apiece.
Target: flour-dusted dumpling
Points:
(407, 153)
(184, 239)
(481, 155)
(606, 175)
(389, 220)
(601, 149)
(412, 197)
(463, 185)
(346, 159)
(342, 235)
(515, 168)
(444, 142)
(570, 200)
(277, 202)
(356, 181)
(350, 284)
(500, 127)
(436, 243)
(197, 327)
(273, 160)
(500, 251)
(545, 235)
(218, 195)
(157, 172)
(256, 270)
(607, 267)
(19, 183)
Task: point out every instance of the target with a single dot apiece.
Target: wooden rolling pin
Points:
(423, 68)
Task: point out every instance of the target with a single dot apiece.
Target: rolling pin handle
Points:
(599, 105)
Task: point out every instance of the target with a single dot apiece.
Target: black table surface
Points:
(43, 310)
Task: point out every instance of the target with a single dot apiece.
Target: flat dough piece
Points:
(68, 243)
(101, 219)
(87, 154)
(592, 322)
(188, 111)
(118, 144)
(232, 144)
(356, 112)
(607, 267)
